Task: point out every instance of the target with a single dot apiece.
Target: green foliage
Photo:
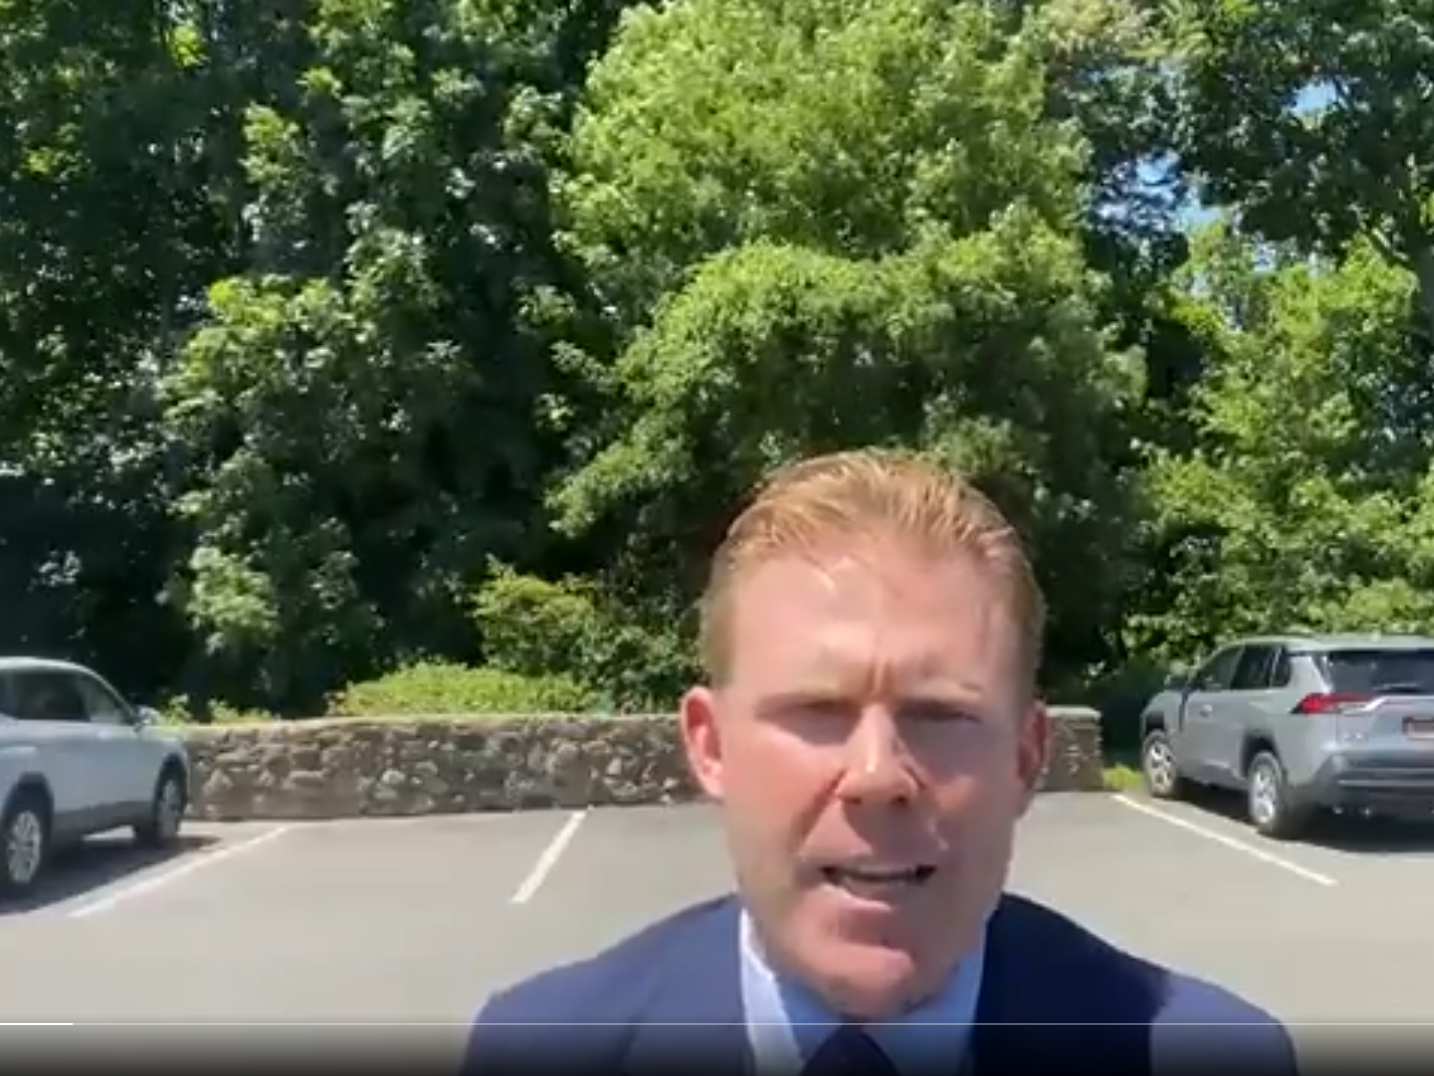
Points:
(1305, 502)
(440, 688)
(890, 258)
(1312, 117)
(379, 404)
(898, 120)
(534, 627)
(1119, 694)
(178, 710)
(346, 336)
(1121, 777)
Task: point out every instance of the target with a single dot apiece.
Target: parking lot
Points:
(415, 921)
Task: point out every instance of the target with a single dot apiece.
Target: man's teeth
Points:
(881, 874)
(878, 875)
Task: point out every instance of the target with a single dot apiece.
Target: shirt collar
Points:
(786, 1022)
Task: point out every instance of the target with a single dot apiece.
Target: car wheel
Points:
(24, 844)
(1158, 768)
(1268, 802)
(166, 812)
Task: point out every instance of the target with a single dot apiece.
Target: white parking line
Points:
(549, 859)
(150, 883)
(1233, 843)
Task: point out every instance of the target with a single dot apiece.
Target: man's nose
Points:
(878, 767)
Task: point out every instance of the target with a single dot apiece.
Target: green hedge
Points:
(440, 688)
(1120, 697)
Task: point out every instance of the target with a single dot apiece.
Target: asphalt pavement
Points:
(393, 932)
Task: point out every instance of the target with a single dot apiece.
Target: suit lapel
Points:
(1025, 996)
(695, 1020)
(1049, 1001)
(995, 1044)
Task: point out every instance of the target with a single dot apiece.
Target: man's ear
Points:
(1033, 750)
(699, 715)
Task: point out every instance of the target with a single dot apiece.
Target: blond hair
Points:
(869, 493)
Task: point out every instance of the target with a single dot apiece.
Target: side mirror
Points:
(1177, 679)
(144, 716)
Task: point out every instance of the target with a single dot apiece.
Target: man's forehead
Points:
(869, 576)
(842, 618)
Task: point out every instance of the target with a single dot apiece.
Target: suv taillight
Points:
(1323, 702)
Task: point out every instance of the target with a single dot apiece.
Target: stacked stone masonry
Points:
(352, 767)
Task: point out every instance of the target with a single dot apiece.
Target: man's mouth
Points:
(874, 882)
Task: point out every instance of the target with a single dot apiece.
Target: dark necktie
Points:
(849, 1051)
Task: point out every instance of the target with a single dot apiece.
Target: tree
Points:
(1312, 118)
(838, 223)
(105, 231)
(1306, 504)
(362, 405)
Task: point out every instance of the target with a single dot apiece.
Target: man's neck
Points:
(962, 975)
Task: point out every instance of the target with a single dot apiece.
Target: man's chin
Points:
(869, 979)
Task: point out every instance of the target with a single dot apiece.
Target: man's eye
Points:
(936, 711)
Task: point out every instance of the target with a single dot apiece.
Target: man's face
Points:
(873, 748)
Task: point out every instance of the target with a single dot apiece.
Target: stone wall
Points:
(351, 767)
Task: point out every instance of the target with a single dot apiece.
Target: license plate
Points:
(1419, 727)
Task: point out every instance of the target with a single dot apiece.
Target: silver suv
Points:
(77, 759)
(1300, 723)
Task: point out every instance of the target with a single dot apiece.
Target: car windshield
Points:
(1374, 671)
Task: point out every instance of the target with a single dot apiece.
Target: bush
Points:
(181, 710)
(537, 628)
(1120, 696)
(441, 688)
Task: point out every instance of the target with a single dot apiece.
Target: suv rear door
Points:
(1256, 700)
(1385, 696)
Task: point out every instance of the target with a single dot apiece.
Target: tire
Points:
(1157, 767)
(1268, 804)
(166, 811)
(24, 843)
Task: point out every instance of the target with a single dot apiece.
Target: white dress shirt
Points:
(786, 1022)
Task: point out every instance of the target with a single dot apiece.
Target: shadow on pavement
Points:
(100, 861)
(1357, 834)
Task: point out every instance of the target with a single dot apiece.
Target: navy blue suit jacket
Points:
(670, 996)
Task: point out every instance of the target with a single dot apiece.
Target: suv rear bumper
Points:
(1390, 782)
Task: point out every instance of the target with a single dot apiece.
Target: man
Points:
(871, 732)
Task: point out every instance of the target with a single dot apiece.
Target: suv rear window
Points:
(1365, 672)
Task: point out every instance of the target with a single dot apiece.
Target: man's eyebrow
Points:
(820, 692)
(946, 691)
(817, 694)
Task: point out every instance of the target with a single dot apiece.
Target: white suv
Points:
(76, 759)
